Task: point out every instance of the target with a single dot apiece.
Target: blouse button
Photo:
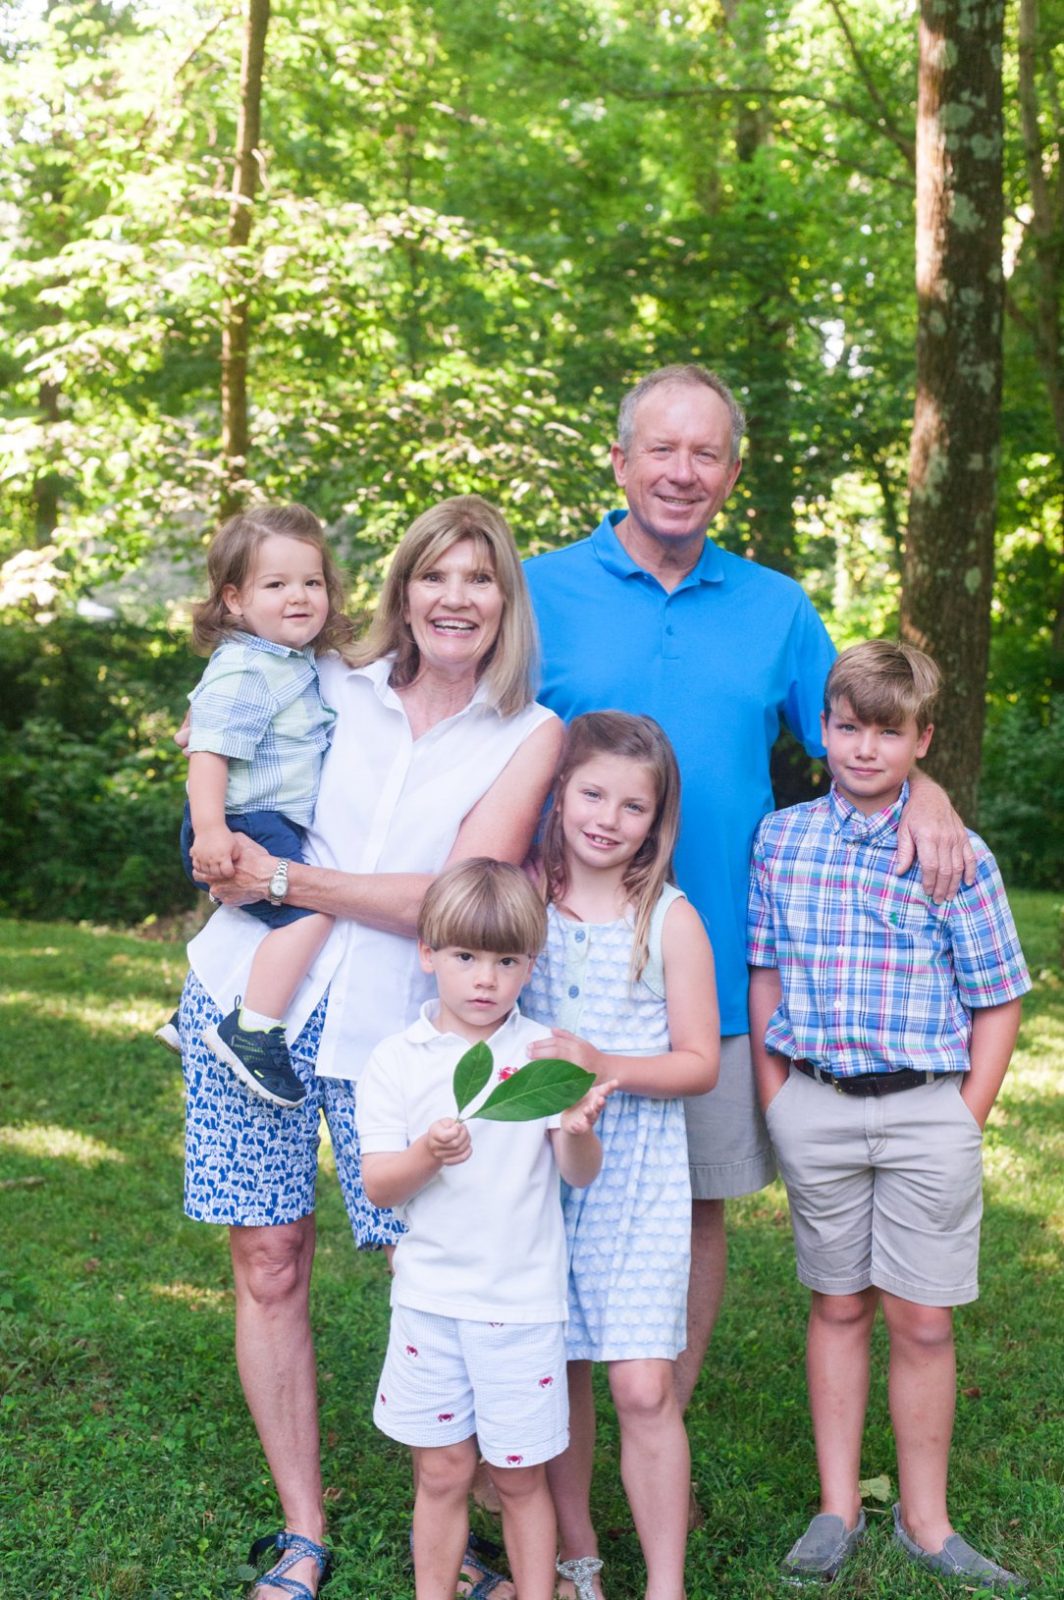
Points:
(580, 935)
(574, 990)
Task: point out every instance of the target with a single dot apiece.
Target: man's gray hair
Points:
(679, 373)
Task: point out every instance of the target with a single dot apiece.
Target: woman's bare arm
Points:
(500, 825)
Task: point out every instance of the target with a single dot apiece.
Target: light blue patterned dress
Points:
(629, 1232)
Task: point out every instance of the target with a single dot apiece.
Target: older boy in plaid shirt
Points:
(882, 1027)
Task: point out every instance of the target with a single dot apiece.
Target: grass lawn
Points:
(128, 1465)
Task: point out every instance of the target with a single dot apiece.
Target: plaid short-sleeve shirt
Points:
(259, 704)
(875, 976)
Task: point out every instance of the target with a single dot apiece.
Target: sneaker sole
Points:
(168, 1035)
(218, 1047)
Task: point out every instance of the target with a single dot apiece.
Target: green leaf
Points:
(471, 1074)
(539, 1090)
(876, 1489)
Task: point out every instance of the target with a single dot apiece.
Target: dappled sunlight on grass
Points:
(193, 1295)
(97, 1013)
(58, 1144)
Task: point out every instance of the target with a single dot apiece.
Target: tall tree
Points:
(949, 555)
(236, 311)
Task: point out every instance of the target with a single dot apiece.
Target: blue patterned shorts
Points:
(254, 1165)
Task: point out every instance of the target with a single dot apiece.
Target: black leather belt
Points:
(869, 1083)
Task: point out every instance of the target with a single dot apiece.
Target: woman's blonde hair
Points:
(231, 558)
(481, 904)
(510, 668)
(640, 739)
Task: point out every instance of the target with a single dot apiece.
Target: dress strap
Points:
(654, 971)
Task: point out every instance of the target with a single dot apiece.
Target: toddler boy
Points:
(882, 1026)
(476, 1350)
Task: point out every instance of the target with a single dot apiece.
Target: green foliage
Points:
(1021, 806)
(471, 1074)
(540, 1089)
(475, 226)
(92, 781)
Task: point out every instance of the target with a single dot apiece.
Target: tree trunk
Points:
(236, 312)
(949, 553)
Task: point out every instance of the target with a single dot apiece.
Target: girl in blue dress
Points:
(626, 982)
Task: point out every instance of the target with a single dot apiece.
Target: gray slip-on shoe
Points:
(957, 1559)
(822, 1550)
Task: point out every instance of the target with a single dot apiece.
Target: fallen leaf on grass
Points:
(876, 1489)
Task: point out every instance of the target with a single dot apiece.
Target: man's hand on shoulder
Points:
(931, 833)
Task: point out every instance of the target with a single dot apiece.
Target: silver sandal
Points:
(580, 1572)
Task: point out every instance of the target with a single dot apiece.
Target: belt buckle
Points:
(837, 1086)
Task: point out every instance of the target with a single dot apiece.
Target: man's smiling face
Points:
(678, 470)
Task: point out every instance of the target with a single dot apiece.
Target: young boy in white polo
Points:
(882, 1027)
(476, 1351)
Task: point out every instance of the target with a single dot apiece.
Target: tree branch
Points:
(886, 122)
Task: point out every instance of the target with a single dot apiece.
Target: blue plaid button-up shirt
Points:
(259, 704)
(875, 976)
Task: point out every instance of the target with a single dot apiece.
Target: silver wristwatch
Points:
(278, 884)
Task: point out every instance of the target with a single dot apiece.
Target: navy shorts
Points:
(275, 833)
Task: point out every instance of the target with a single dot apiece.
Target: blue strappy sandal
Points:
(293, 1547)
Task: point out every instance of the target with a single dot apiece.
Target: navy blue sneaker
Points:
(259, 1059)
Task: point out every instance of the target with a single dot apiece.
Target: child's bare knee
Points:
(929, 1327)
(515, 1484)
(642, 1390)
(844, 1310)
(446, 1470)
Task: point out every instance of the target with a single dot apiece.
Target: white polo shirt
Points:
(387, 803)
(486, 1240)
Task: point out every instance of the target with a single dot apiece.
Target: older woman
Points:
(439, 753)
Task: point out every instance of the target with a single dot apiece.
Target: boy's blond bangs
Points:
(481, 904)
(884, 681)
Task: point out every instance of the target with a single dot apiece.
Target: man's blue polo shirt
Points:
(718, 662)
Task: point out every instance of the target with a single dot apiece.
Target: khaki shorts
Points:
(728, 1146)
(885, 1191)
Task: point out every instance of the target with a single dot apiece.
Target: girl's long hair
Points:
(615, 733)
(230, 560)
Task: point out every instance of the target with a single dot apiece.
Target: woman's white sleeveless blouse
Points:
(387, 803)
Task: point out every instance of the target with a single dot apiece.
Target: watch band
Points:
(277, 887)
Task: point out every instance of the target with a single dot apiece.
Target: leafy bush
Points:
(1021, 810)
(92, 782)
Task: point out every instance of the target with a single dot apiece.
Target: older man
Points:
(650, 616)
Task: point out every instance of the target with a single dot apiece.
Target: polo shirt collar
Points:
(423, 1029)
(880, 828)
(254, 642)
(709, 567)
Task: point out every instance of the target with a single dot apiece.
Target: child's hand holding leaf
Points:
(449, 1142)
